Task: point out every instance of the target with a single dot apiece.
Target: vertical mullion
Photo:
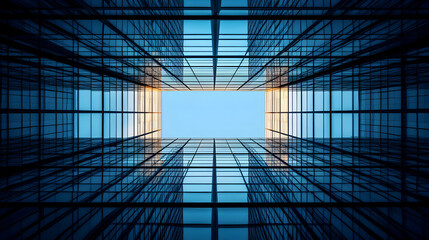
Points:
(215, 226)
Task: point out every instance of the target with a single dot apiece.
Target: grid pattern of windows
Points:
(345, 153)
(244, 187)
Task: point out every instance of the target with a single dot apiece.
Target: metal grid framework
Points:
(345, 154)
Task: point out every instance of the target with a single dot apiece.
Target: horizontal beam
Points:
(208, 57)
(210, 205)
(279, 168)
(178, 8)
(213, 17)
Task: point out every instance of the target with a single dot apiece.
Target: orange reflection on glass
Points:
(276, 113)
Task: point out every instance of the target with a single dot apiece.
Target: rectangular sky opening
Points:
(213, 114)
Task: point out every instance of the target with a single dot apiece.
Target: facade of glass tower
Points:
(346, 147)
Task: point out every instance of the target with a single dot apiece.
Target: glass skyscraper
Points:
(346, 147)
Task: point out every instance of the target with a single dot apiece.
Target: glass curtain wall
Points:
(345, 152)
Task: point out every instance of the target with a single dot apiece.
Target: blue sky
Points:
(212, 114)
